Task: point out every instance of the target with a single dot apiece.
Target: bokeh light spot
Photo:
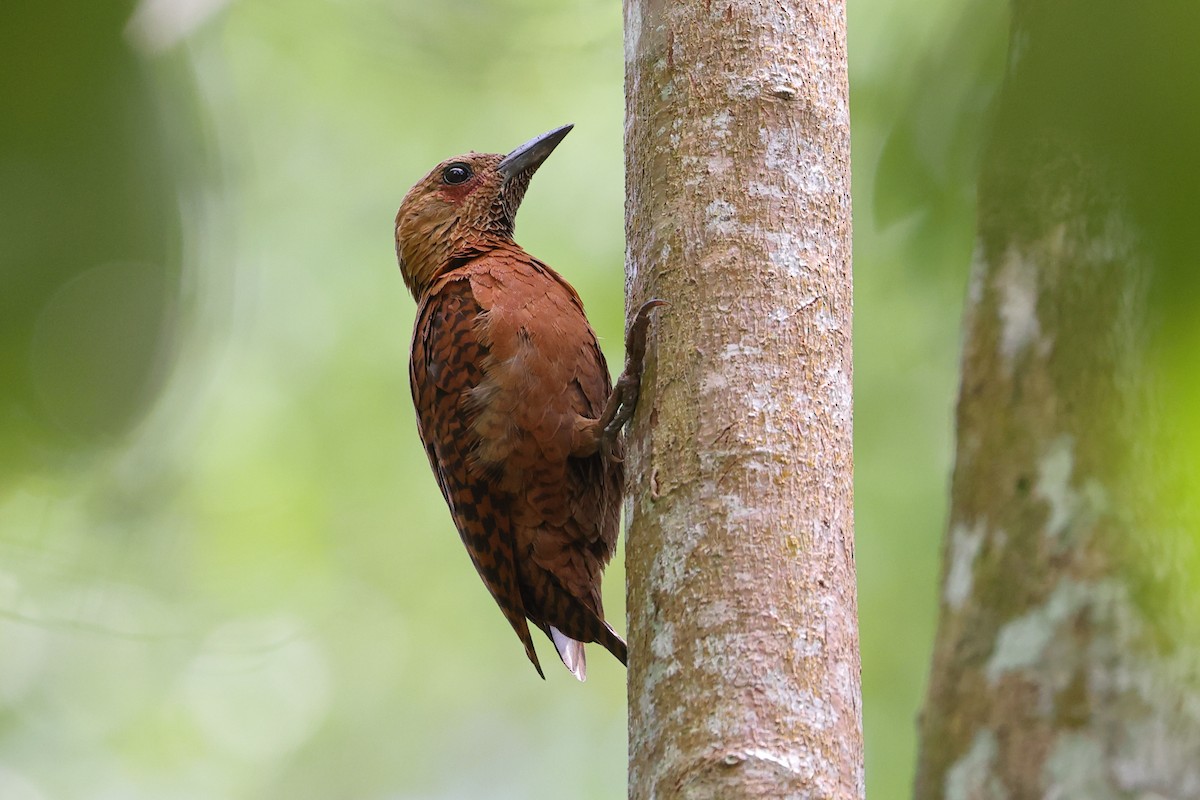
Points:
(259, 688)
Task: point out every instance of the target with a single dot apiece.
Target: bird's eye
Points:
(456, 173)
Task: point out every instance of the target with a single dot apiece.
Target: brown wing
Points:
(446, 367)
(544, 371)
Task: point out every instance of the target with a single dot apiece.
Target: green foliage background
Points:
(225, 570)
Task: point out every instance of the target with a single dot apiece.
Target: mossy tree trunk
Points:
(744, 665)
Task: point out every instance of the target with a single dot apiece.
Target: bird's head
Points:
(465, 204)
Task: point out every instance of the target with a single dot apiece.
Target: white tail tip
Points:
(571, 653)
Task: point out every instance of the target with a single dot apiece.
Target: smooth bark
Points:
(744, 665)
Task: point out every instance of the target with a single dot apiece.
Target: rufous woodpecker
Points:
(513, 398)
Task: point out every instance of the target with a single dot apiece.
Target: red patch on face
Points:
(457, 192)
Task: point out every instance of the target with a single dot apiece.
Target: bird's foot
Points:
(623, 400)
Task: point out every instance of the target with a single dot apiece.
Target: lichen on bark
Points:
(1063, 665)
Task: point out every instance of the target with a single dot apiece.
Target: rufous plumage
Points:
(514, 402)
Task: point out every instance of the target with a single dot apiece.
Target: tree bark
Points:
(743, 665)
(1064, 665)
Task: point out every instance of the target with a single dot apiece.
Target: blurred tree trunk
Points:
(91, 273)
(1065, 664)
(744, 665)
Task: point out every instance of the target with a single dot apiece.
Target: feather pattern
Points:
(514, 403)
(504, 368)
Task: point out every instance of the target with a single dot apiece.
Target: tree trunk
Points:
(743, 665)
(1064, 665)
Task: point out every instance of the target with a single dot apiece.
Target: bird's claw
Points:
(623, 401)
(635, 339)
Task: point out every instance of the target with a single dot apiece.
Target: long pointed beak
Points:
(530, 155)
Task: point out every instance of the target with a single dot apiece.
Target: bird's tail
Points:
(571, 652)
(575, 621)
